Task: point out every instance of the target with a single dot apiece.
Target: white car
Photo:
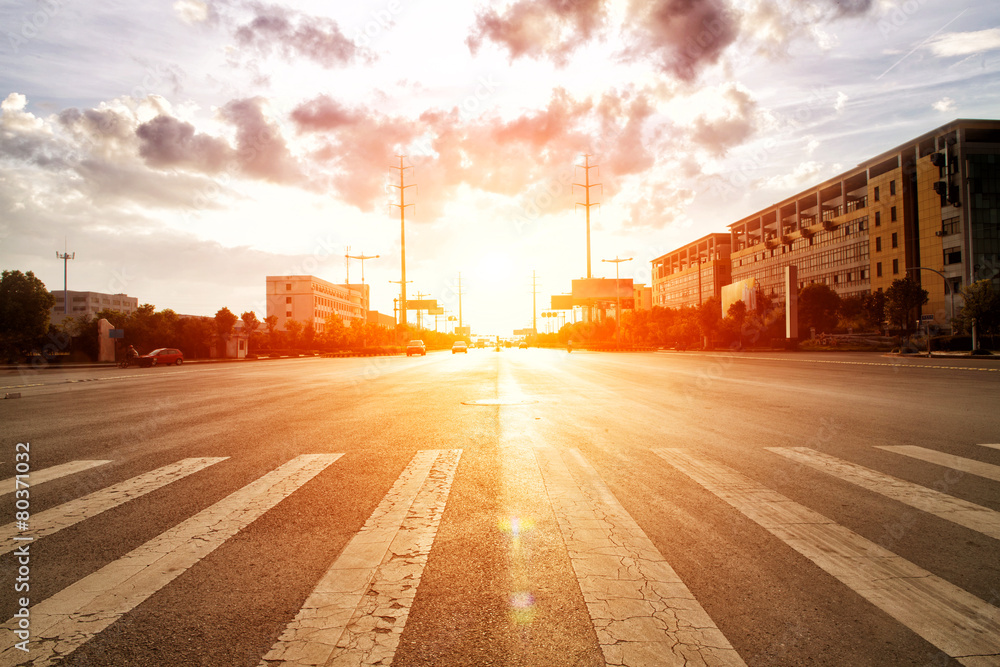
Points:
(460, 346)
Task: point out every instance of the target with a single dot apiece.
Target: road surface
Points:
(522, 507)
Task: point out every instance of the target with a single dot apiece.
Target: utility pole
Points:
(459, 298)
(534, 307)
(65, 257)
(397, 306)
(362, 257)
(586, 185)
(402, 236)
(420, 319)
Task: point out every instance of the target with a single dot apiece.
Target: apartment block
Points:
(311, 300)
(88, 304)
(692, 274)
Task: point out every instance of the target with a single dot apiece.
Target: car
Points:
(523, 346)
(460, 346)
(163, 356)
(416, 347)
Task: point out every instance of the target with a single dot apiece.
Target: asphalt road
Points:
(522, 507)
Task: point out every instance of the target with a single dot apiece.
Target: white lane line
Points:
(959, 463)
(950, 618)
(642, 611)
(357, 611)
(68, 619)
(35, 478)
(992, 446)
(67, 514)
(976, 517)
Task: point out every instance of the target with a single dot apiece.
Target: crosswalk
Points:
(641, 610)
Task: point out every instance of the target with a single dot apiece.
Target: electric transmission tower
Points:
(586, 185)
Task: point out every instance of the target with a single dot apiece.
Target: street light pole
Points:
(65, 257)
(945, 279)
(618, 296)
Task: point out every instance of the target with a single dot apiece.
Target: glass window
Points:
(950, 226)
(895, 267)
(876, 193)
(892, 214)
(288, 299)
(878, 218)
(878, 269)
(288, 286)
(878, 244)
(892, 187)
(952, 255)
(895, 240)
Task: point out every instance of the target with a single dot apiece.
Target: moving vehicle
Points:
(163, 356)
(416, 347)
(523, 346)
(459, 346)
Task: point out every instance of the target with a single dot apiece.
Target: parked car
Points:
(416, 347)
(460, 346)
(163, 356)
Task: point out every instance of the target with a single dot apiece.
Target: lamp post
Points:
(945, 279)
(618, 297)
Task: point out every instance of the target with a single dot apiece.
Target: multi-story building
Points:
(84, 304)
(642, 296)
(929, 205)
(311, 300)
(692, 274)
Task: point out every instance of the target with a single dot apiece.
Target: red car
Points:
(163, 356)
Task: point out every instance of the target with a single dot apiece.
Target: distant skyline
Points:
(186, 150)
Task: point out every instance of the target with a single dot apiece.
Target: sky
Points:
(185, 150)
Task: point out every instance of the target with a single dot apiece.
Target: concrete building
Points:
(311, 300)
(82, 304)
(642, 296)
(692, 274)
(933, 202)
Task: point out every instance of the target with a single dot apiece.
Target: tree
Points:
(982, 306)
(224, 322)
(24, 312)
(818, 307)
(250, 325)
(710, 318)
(873, 306)
(902, 299)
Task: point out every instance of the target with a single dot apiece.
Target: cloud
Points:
(166, 142)
(191, 11)
(275, 29)
(681, 36)
(770, 26)
(730, 125)
(944, 105)
(539, 28)
(260, 148)
(965, 43)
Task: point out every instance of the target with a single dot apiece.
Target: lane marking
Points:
(950, 618)
(906, 364)
(37, 477)
(972, 516)
(642, 611)
(987, 470)
(992, 446)
(357, 611)
(71, 617)
(74, 511)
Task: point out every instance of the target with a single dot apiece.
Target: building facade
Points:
(928, 208)
(312, 300)
(84, 304)
(692, 274)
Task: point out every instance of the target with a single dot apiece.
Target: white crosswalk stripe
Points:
(67, 514)
(992, 446)
(48, 474)
(357, 612)
(987, 470)
(68, 619)
(957, 622)
(962, 512)
(642, 611)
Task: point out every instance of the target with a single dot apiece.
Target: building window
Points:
(878, 244)
(878, 270)
(950, 226)
(288, 314)
(288, 287)
(288, 299)
(878, 218)
(876, 193)
(892, 187)
(892, 214)
(895, 267)
(895, 240)
(952, 255)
